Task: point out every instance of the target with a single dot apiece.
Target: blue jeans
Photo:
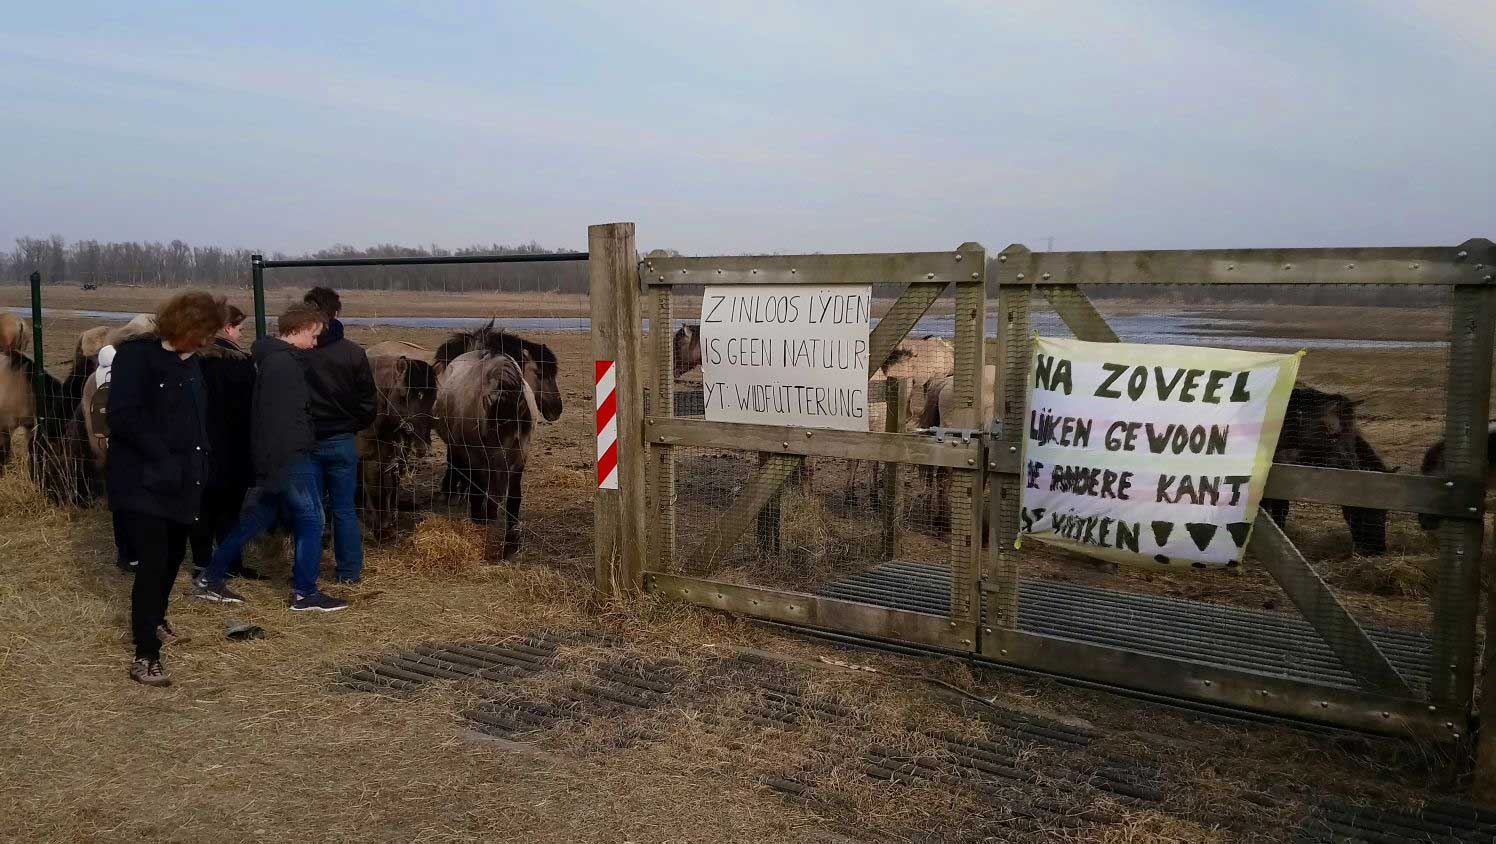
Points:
(336, 462)
(300, 500)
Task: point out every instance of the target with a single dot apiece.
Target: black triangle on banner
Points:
(1239, 532)
(1161, 531)
(1202, 533)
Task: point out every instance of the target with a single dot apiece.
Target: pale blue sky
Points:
(826, 126)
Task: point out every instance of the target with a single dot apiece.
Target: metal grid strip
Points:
(1013, 305)
(662, 457)
(1467, 409)
(972, 410)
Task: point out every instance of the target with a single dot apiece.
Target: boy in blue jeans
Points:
(282, 440)
(342, 403)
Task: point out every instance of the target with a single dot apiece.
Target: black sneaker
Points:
(215, 592)
(349, 581)
(127, 566)
(317, 602)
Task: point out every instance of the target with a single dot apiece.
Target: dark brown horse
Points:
(1433, 464)
(488, 401)
(406, 388)
(1321, 429)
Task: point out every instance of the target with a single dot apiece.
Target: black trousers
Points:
(161, 545)
(123, 552)
(221, 506)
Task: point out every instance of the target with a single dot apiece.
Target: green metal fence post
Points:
(39, 377)
(257, 274)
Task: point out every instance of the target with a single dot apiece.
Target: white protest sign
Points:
(1150, 455)
(786, 355)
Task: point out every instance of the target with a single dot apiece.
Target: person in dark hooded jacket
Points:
(158, 459)
(343, 403)
(229, 379)
(281, 440)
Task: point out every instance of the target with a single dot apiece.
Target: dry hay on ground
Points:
(258, 740)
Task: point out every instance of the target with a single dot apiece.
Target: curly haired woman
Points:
(159, 459)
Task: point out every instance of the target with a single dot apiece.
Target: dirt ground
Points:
(258, 740)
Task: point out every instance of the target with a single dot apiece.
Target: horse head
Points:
(407, 394)
(541, 371)
(687, 347)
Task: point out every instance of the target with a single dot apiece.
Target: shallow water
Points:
(1177, 329)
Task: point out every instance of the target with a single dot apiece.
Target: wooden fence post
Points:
(618, 514)
(895, 418)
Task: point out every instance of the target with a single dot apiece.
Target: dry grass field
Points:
(259, 740)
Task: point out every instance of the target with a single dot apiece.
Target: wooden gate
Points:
(1371, 680)
(985, 597)
(675, 564)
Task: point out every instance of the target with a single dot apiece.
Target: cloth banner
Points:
(1150, 455)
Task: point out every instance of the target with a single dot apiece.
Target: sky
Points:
(756, 127)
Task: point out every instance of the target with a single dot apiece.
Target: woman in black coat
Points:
(159, 455)
(229, 381)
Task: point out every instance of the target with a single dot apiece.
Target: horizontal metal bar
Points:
(873, 268)
(1394, 491)
(799, 608)
(1469, 263)
(521, 258)
(1359, 709)
(852, 445)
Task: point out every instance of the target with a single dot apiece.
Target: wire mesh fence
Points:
(853, 530)
(482, 396)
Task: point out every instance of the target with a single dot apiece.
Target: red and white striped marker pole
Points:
(607, 426)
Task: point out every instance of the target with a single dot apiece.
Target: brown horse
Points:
(487, 403)
(686, 343)
(15, 334)
(55, 459)
(401, 433)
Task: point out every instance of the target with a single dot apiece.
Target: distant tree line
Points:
(179, 264)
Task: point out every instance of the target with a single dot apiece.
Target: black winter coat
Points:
(342, 383)
(158, 440)
(281, 428)
(229, 379)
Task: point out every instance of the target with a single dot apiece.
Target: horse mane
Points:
(459, 343)
(502, 342)
(495, 341)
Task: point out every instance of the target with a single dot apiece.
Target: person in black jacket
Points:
(343, 403)
(281, 440)
(158, 460)
(229, 380)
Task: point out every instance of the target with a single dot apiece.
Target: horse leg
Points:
(849, 495)
(478, 494)
(512, 495)
(1277, 509)
(1368, 530)
(389, 498)
(4, 450)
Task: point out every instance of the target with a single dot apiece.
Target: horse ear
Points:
(402, 365)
